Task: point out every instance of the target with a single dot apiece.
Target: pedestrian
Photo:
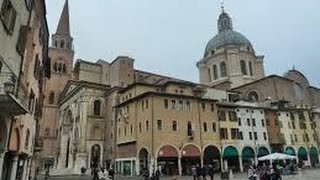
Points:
(47, 173)
(252, 173)
(95, 173)
(111, 173)
(198, 170)
(194, 172)
(204, 172)
(157, 175)
(211, 171)
(146, 174)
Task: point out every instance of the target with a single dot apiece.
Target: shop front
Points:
(168, 160)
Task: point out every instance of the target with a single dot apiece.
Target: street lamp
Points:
(8, 87)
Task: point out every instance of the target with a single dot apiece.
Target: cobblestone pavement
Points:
(312, 174)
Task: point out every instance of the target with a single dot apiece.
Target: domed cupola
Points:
(226, 36)
(224, 22)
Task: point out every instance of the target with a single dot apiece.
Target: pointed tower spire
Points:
(64, 24)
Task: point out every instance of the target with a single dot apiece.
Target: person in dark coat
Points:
(157, 174)
(111, 173)
(211, 172)
(198, 170)
(95, 174)
(204, 172)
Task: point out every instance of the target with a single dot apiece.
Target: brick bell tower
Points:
(61, 54)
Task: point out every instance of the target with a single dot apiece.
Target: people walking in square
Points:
(211, 171)
(252, 173)
(204, 172)
(198, 170)
(194, 172)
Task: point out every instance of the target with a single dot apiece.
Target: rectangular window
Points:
(181, 105)
(240, 135)
(248, 122)
(142, 105)
(214, 127)
(262, 122)
(239, 121)
(166, 103)
(174, 125)
(301, 115)
(224, 133)
(140, 126)
(203, 106)
(276, 122)
(159, 124)
(295, 138)
(255, 135)
(212, 107)
(234, 133)
(291, 116)
(250, 135)
(8, 16)
(253, 122)
(131, 129)
(21, 44)
(147, 103)
(147, 125)
(307, 137)
(190, 129)
(173, 104)
(232, 116)
(265, 136)
(205, 129)
(188, 106)
(222, 115)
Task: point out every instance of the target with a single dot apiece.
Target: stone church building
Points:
(102, 114)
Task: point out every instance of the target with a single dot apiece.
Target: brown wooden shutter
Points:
(23, 35)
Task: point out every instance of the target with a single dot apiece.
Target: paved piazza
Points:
(313, 174)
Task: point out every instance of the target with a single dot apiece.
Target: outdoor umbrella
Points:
(276, 156)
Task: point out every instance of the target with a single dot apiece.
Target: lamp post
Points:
(8, 86)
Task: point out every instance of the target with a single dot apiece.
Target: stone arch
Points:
(247, 156)
(262, 151)
(190, 156)
(302, 154)
(212, 155)
(143, 156)
(168, 159)
(314, 156)
(231, 156)
(290, 151)
(253, 96)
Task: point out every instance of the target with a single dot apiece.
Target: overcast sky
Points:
(169, 36)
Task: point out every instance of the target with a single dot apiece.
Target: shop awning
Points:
(314, 151)
(247, 153)
(263, 151)
(191, 151)
(168, 152)
(290, 151)
(302, 151)
(230, 152)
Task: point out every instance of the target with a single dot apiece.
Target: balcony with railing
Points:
(12, 100)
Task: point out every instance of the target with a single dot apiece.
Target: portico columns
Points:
(14, 167)
(179, 166)
(83, 122)
(240, 163)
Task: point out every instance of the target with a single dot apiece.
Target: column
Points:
(179, 166)
(131, 168)
(14, 167)
(1, 163)
(225, 163)
(240, 163)
(138, 166)
(83, 122)
(25, 170)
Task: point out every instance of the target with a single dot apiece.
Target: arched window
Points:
(26, 142)
(60, 67)
(55, 44)
(51, 98)
(209, 74)
(223, 69)
(96, 108)
(253, 96)
(243, 67)
(63, 68)
(62, 44)
(215, 72)
(250, 68)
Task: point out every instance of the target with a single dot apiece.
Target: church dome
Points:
(226, 35)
